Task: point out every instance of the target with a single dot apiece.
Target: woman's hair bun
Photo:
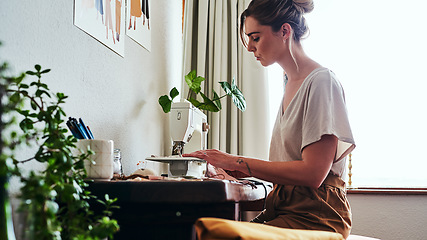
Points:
(275, 13)
(303, 6)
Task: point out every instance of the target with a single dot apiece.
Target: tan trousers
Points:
(298, 207)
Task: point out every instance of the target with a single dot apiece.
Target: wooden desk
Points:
(168, 209)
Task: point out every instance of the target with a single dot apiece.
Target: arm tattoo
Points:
(240, 161)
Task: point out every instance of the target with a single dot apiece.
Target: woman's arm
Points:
(317, 159)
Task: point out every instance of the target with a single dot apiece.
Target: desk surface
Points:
(165, 191)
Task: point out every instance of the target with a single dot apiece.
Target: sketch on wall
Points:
(104, 20)
(138, 26)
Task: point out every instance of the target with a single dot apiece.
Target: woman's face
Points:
(263, 42)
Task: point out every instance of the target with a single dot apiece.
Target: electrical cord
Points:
(255, 182)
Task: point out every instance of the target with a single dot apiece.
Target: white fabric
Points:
(212, 46)
(318, 108)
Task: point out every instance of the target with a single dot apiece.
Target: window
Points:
(378, 50)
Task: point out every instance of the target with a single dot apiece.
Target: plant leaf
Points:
(15, 97)
(45, 71)
(233, 84)
(239, 100)
(166, 103)
(193, 81)
(33, 105)
(226, 87)
(236, 95)
(194, 102)
(191, 75)
(18, 79)
(217, 101)
(40, 92)
(196, 87)
(24, 86)
(60, 95)
(208, 104)
(44, 85)
(26, 124)
(173, 93)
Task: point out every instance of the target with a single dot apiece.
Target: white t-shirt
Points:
(318, 108)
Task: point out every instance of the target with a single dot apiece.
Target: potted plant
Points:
(6, 224)
(55, 200)
(214, 105)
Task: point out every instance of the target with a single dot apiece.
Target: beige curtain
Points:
(212, 47)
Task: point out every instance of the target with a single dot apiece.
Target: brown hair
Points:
(275, 13)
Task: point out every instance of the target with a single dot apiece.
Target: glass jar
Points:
(117, 161)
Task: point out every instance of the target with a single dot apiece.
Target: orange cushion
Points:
(215, 228)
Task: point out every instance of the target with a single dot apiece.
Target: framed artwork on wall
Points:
(104, 20)
(138, 25)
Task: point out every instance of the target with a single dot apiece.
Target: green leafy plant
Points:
(214, 105)
(6, 165)
(55, 199)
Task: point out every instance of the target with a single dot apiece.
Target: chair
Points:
(207, 228)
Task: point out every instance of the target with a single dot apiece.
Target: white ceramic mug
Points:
(102, 168)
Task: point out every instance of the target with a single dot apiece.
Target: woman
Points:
(311, 136)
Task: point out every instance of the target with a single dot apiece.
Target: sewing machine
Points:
(188, 128)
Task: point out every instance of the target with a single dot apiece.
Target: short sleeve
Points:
(325, 113)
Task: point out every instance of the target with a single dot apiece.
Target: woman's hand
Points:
(218, 173)
(215, 157)
(220, 160)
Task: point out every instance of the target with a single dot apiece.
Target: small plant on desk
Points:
(214, 105)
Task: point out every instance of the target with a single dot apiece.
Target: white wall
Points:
(116, 96)
(389, 217)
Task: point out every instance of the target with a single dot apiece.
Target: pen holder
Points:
(101, 166)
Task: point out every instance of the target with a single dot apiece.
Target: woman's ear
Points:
(286, 31)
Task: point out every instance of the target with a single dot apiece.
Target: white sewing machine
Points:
(188, 128)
